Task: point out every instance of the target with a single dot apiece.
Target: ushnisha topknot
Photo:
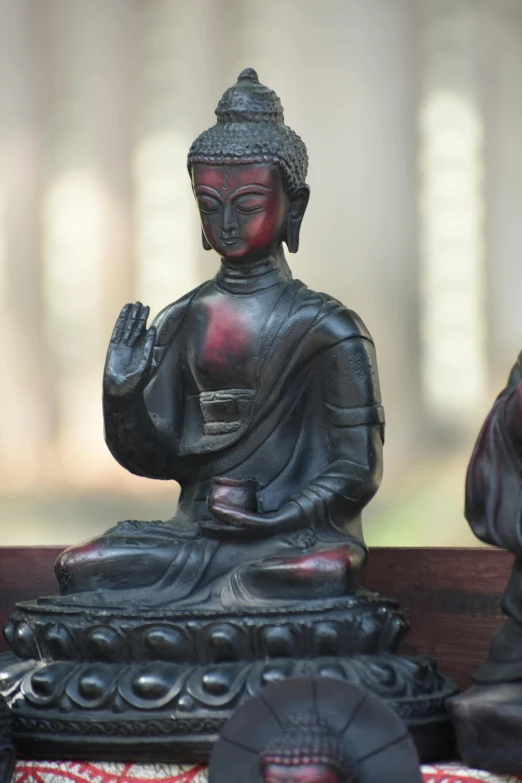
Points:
(250, 128)
(305, 739)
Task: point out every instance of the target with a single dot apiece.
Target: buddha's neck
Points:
(249, 277)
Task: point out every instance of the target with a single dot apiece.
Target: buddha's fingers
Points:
(246, 523)
(132, 319)
(236, 517)
(120, 323)
(148, 351)
(139, 327)
(222, 529)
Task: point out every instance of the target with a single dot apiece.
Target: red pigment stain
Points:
(331, 561)
(227, 339)
(301, 773)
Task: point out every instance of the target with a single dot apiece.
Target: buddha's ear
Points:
(204, 241)
(298, 205)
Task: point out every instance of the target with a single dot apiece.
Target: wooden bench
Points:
(450, 596)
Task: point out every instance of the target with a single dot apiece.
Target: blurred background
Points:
(412, 114)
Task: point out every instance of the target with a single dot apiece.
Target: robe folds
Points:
(494, 512)
(287, 395)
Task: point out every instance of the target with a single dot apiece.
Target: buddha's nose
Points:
(229, 225)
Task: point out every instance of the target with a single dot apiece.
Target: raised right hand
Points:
(129, 357)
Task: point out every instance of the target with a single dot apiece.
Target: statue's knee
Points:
(322, 574)
(66, 568)
(63, 572)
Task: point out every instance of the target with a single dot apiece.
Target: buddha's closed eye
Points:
(249, 204)
(208, 204)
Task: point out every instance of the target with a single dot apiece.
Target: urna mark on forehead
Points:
(229, 178)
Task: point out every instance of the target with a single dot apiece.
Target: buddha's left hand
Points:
(232, 521)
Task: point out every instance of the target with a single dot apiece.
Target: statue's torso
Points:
(225, 334)
(260, 386)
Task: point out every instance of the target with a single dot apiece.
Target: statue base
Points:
(159, 684)
(488, 722)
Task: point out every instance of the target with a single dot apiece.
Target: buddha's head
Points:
(307, 750)
(248, 175)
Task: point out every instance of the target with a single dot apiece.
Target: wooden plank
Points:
(450, 596)
(26, 572)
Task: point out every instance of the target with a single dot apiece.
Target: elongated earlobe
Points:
(293, 229)
(298, 205)
(204, 241)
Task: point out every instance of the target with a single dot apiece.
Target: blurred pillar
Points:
(165, 223)
(453, 366)
(24, 422)
(502, 75)
(346, 77)
(86, 212)
(187, 57)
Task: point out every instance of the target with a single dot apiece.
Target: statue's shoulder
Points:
(169, 320)
(333, 318)
(515, 376)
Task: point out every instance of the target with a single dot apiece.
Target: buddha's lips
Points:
(227, 339)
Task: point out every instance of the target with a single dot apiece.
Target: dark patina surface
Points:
(315, 730)
(261, 399)
(488, 717)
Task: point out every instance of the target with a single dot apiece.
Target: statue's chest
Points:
(225, 335)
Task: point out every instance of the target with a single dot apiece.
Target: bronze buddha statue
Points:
(258, 395)
(306, 750)
(309, 730)
(261, 399)
(488, 717)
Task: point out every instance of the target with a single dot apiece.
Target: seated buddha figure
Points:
(488, 716)
(494, 512)
(257, 395)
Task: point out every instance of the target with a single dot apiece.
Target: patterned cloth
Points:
(457, 773)
(116, 772)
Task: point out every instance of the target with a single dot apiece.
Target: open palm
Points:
(129, 356)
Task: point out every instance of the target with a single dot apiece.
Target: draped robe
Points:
(494, 511)
(255, 377)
